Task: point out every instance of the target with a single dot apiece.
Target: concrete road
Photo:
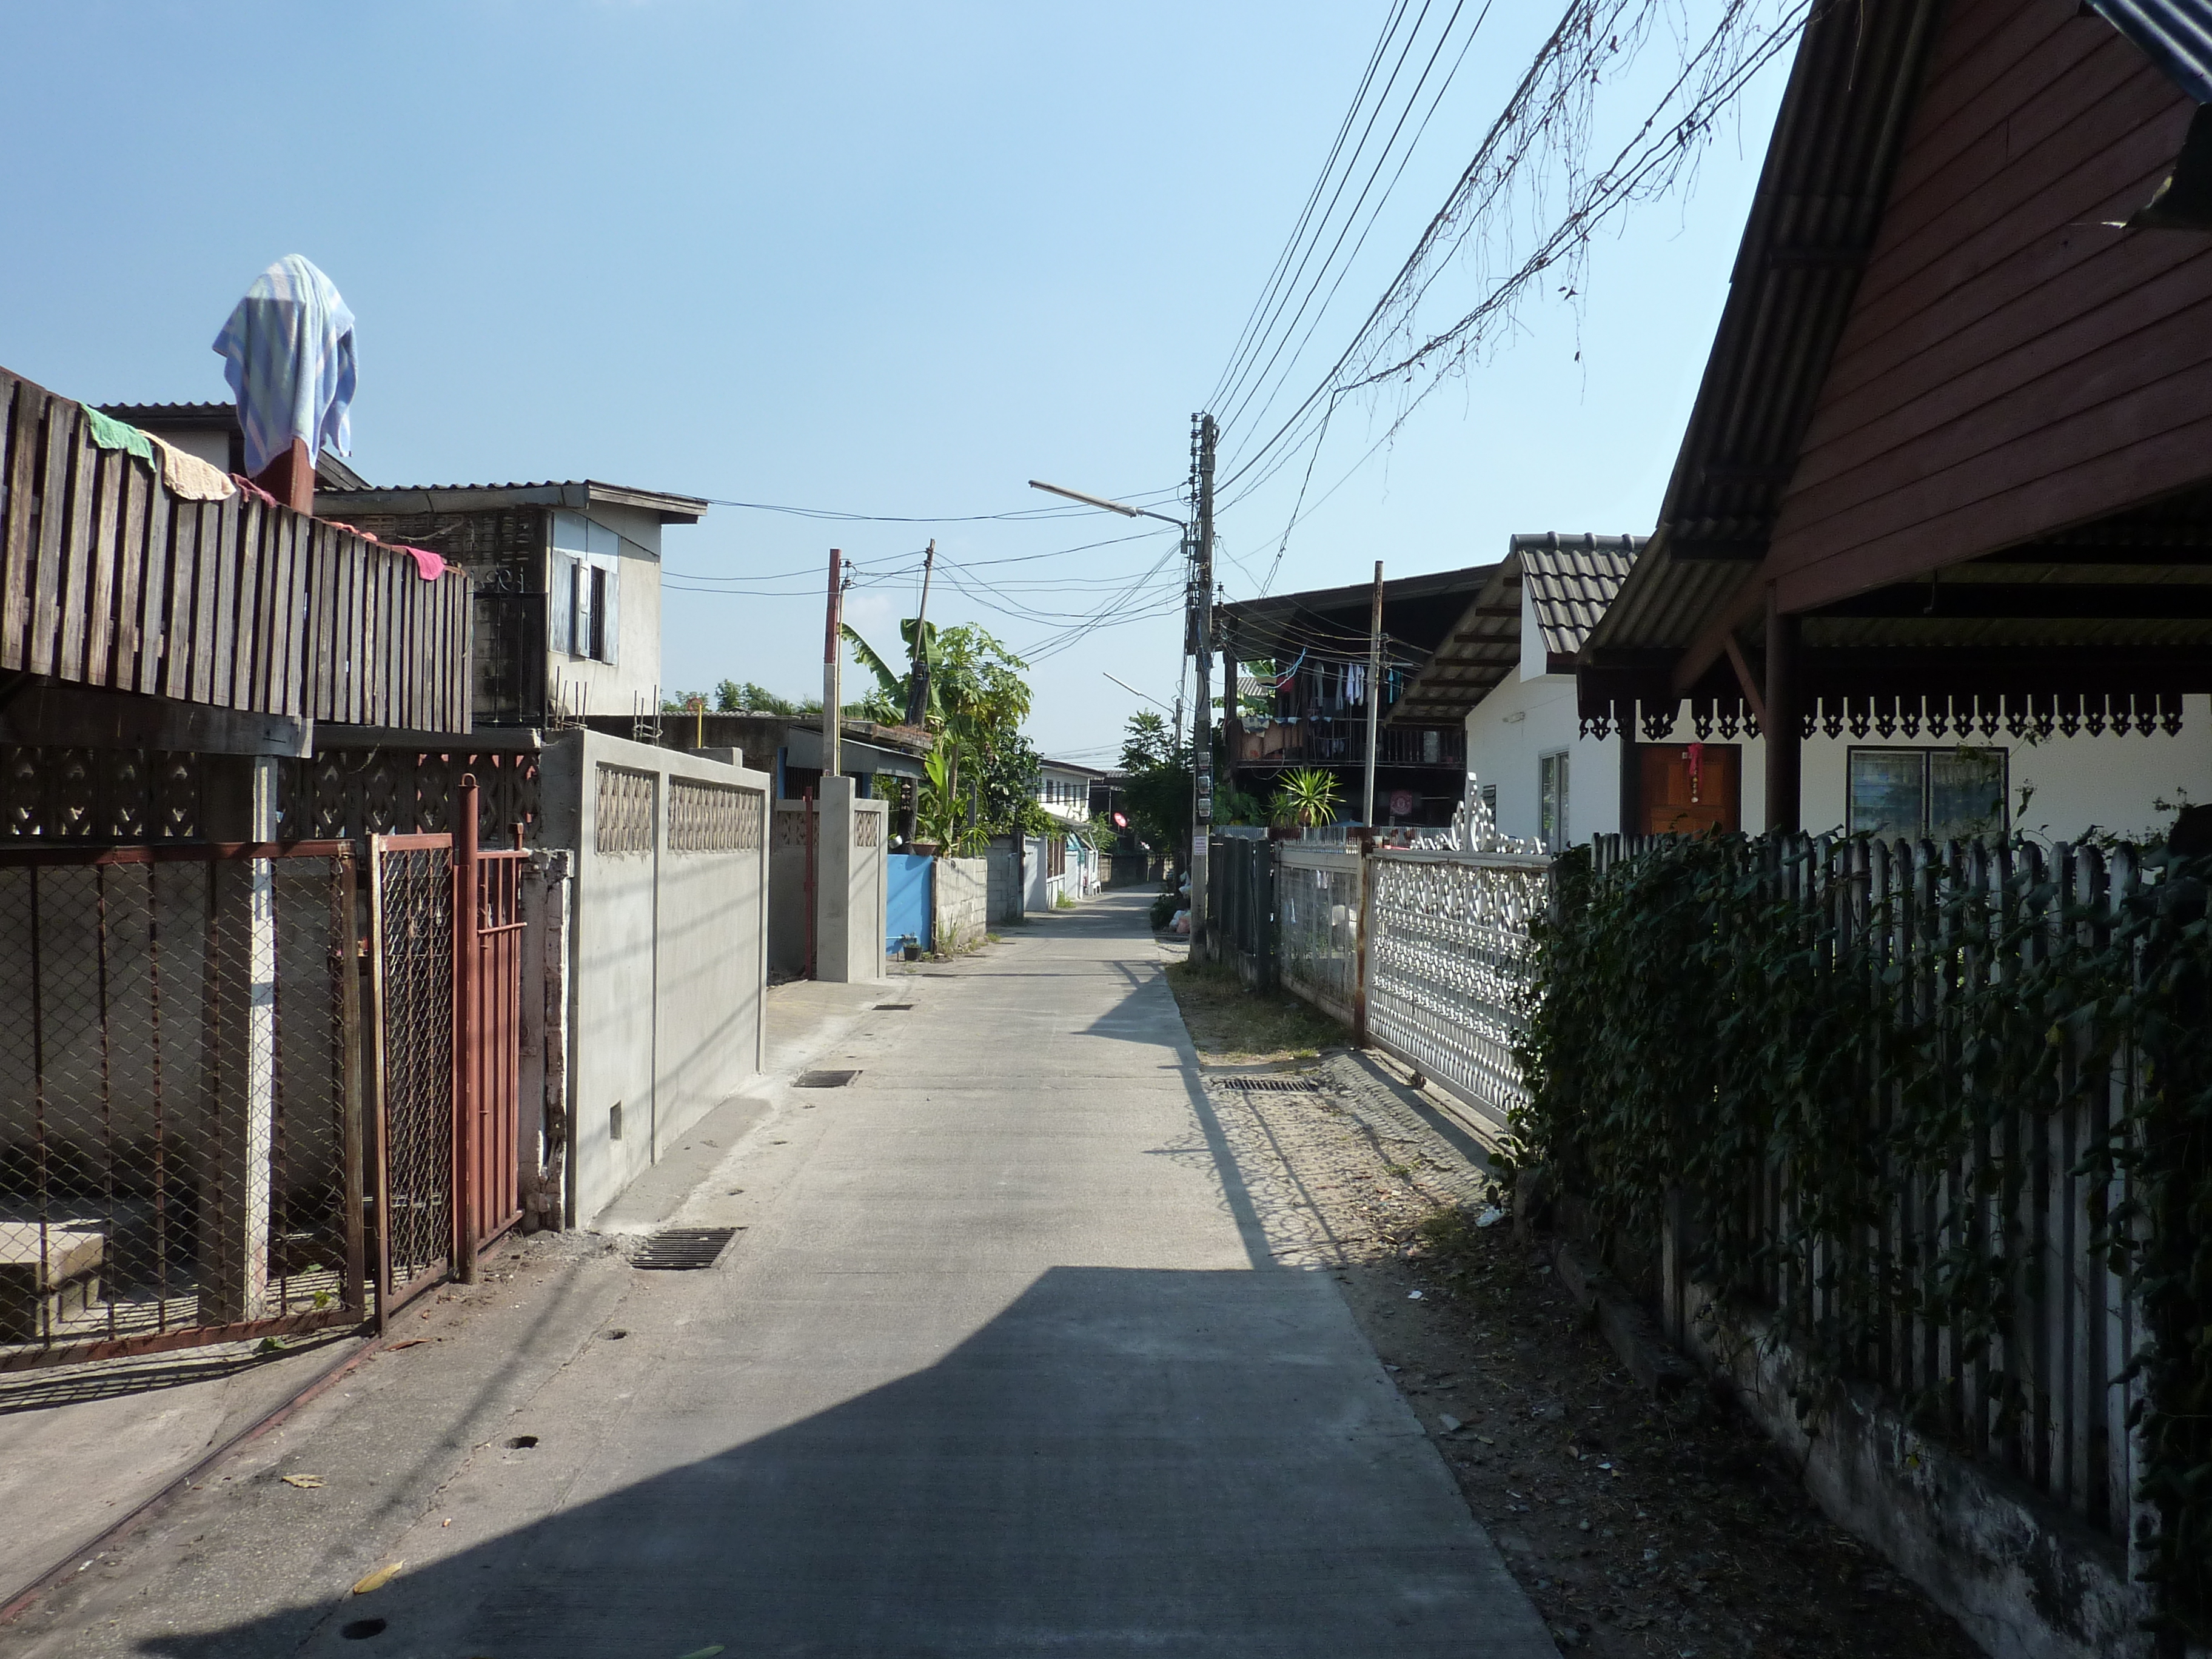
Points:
(1000, 1363)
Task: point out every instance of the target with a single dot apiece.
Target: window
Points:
(1944, 794)
(1551, 801)
(584, 588)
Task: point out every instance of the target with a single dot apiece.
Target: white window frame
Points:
(1551, 801)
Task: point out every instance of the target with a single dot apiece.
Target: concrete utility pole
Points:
(1367, 813)
(833, 724)
(1204, 437)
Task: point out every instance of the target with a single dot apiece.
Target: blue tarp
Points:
(2175, 35)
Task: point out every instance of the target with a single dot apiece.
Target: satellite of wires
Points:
(1519, 217)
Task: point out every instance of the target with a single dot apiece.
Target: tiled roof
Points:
(1571, 580)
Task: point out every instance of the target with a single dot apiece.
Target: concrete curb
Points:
(63, 1570)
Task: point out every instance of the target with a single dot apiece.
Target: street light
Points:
(1101, 503)
(1197, 541)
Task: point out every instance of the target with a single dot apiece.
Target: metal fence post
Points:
(466, 1082)
(1360, 930)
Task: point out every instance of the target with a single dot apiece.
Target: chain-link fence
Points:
(1318, 896)
(411, 995)
(181, 1147)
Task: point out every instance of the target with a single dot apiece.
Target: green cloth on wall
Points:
(110, 433)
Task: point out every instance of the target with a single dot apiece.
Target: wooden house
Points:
(1949, 471)
(1303, 705)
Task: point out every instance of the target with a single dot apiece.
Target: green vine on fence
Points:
(1849, 1084)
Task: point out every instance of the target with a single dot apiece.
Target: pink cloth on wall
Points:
(428, 565)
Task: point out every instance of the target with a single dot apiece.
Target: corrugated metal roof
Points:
(1570, 581)
(575, 494)
(2175, 35)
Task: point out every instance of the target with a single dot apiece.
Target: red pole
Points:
(808, 798)
(467, 1072)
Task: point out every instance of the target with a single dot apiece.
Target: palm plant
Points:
(1305, 797)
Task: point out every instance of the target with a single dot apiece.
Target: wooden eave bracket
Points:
(1745, 680)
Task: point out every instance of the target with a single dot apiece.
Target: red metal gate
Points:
(487, 1036)
(446, 927)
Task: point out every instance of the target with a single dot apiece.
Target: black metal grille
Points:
(180, 1104)
(824, 1079)
(1273, 1085)
(681, 1250)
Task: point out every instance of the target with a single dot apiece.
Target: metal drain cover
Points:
(1275, 1085)
(677, 1250)
(894, 1007)
(824, 1079)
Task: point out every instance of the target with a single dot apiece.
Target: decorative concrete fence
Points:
(829, 883)
(667, 946)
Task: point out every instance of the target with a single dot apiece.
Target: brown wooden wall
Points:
(107, 579)
(2010, 366)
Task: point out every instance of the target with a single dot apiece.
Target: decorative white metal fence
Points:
(1448, 966)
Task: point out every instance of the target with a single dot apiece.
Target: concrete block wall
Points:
(958, 902)
(668, 946)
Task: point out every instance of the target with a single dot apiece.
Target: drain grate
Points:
(1272, 1085)
(677, 1249)
(895, 1007)
(824, 1079)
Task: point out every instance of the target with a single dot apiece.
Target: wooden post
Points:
(467, 1177)
(290, 477)
(1783, 727)
(833, 723)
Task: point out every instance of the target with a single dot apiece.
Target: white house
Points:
(1064, 790)
(1548, 777)
(568, 585)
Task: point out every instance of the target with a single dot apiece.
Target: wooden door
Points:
(1687, 788)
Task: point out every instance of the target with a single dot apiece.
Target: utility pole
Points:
(917, 677)
(1204, 437)
(833, 724)
(1367, 813)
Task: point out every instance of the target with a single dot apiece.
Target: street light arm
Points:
(1101, 504)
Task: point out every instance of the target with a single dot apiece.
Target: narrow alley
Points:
(1001, 1359)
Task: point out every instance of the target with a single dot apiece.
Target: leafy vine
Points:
(1854, 1071)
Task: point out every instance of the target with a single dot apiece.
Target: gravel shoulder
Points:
(1636, 1530)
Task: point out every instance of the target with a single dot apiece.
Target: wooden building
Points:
(1950, 465)
(1304, 704)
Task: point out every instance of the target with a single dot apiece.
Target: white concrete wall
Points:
(668, 954)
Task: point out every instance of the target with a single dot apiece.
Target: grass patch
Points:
(1229, 1023)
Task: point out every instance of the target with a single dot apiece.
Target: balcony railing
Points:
(1292, 742)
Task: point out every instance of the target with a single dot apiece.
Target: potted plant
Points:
(1305, 799)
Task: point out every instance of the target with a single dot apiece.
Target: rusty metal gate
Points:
(410, 1086)
(181, 1147)
(446, 1012)
(487, 1029)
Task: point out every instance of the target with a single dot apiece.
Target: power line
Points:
(1545, 122)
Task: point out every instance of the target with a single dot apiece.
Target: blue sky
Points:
(885, 259)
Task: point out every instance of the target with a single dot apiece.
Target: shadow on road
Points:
(1123, 1460)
